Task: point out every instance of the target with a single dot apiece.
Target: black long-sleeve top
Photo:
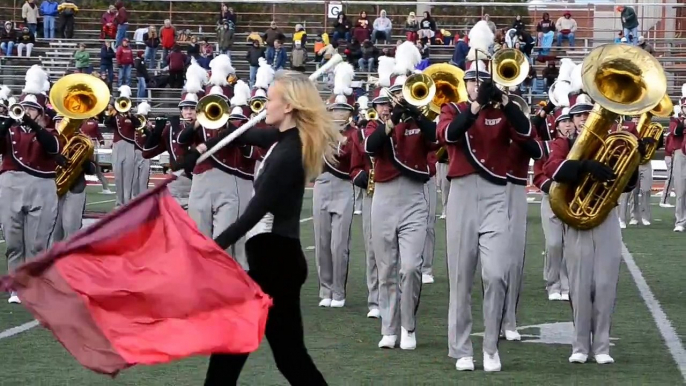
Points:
(279, 187)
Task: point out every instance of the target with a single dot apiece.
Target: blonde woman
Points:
(302, 136)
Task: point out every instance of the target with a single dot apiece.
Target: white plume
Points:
(407, 57)
(264, 75)
(46, 85)
(35, 80)
(481, 38)
(241, 94)
(343, 79)
(576, 82)
(566, 69)
(677, 111)
(560, 93)
(683, 90)
(196, 77)
(125, 91)
(5, 92)
(221, 69)
(386, 65)
(363, 102)
(11, 101)
(143, 108)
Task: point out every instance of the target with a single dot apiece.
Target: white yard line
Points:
(18, 330)
(99, 202)
(672, 341)
(306, 219)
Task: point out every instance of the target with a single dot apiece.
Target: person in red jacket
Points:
(122, 21)
(124, 57)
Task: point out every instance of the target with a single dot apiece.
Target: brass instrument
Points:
(16, 112)
(509, 67)
(231, 79)
(653, 130)
(623, 80)
(371, 115)
(521, 103)
(213, 111)
(143, 122)
(122, 105)
(257, 105)
(76, 97)
(370, 180)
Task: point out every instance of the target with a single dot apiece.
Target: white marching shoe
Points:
(603, 359)
(645, 222)
(666, 205)
(554, 296)
(408, 340)
(374, 313)
(388, 341)
(325, 303)
(512, 335)
(492, 362)
(465, 364)
(427, 279)
(578, 358)
(678, 228)
(564, 297)
(14, 299)
(337, 303)
(622, 224)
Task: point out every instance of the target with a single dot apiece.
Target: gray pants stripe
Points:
(141, 177)
(555, 269)
(517, 207)
(638, 200)
(372, 272)
(124, 168)
(430, 242)
(443, 183)
(69, 215)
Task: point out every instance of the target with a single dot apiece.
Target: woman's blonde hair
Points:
(318, 133)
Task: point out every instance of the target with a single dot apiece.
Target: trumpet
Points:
(122, 104)
(16, 112)
(371, 115)
(213, 112)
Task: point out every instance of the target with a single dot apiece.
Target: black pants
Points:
(278, 265)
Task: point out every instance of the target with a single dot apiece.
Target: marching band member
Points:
(676, 131)
(669, 153)
(360, 173)
(640, 196)
(555, 270)
(442, 182)
(303, 135)
(28, 195)
(73, 203)
(593, 257)
(476, 135)
(123, 149)
(333, 199)
(91, 129)
(430, 242)
(141, 164)
(399, 143)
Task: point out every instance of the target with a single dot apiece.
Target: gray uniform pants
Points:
(358, 198)
(98, 170)
(477, 228)
(141, 174)
(443, 183)
(679, 170)
(372, 272)
(399, 212)
(555, 269)
(69, 215)
(638, 200)
(430, 242)
(214, 203)
(28, 211)
(124, 167)
(593, 258)
(333, 204)
(180, 189)
(517, 207)
(669, 182)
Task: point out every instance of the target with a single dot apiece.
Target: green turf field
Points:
(343, 342)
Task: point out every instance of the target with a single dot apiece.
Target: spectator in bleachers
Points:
(122, 22)
(109, 23)
(177, 65)
(363, 20)
(526, 42)
(224, 38)
(276, 57)
(255, 52)
(491, 24)
(125, 62)
(254, 36)
(382, 28)
(193, 50)
(25, 39)
(326, 52)
(205, 55)
(629, 23)
(168, 37)
(518, 23)
(544, 27)
(498, 41)
(82, 60)
(300, 35)
(361, 32)
(228, 16)
(550, 74)
(645, 45)
(411, 27)
(566, 29)
(427, 28)
(619, 37)
(298, 57)
(30, 14)
(271, 35)
(48, 8)
(368, 57)
(341, 28)
(67, 11)
(142, 76)
(460, 52)
(7, 39)
(152, 42)
(107, 56)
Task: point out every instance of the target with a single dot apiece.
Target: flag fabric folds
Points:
(143, 286)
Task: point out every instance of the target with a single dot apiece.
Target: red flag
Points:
(143, 286)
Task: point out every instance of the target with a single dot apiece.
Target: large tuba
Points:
(76, 97)
(623, 80)
(213, 111)
(654, 130)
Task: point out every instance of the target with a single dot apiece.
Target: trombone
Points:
(256, 105)
(122, 104)
(143, 123)
(213, 111)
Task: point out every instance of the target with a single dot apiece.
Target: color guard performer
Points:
(123, 149)
(676, 131)
(399, 142)
(91, 129)
(361, 172)
(593, 256)
(142, 164)
(28, 194)
(333, 199)
(477, 134)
